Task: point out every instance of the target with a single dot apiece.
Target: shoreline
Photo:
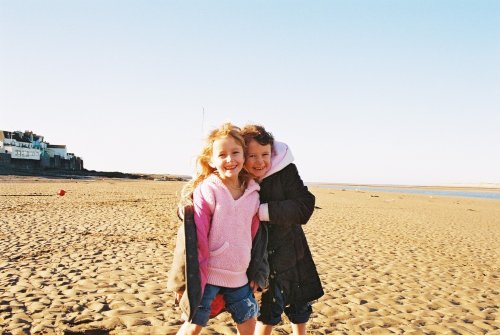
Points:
(487, 187)
(6, 174)
(95, 175)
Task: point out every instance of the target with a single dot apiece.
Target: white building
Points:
(26, 150)
(26, 145)
(19, 145)
(57, 150)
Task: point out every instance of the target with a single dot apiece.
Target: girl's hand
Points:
(253, 286)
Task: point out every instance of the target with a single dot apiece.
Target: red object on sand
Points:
(61, 192)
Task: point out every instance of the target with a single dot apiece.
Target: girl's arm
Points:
(298, 205)
(202, 198)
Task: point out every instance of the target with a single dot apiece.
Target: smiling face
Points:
(227, 158)
(258, 160)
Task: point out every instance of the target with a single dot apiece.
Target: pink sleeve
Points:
(255, 220)
(202, 220)
(255, 225)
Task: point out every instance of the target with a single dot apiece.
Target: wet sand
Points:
(95, 261)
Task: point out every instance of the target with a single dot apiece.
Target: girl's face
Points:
(258, 160)
(227, 158)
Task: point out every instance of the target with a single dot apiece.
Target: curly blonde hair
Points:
(203, 168)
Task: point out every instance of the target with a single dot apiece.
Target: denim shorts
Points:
(240, 302)
(273, 305)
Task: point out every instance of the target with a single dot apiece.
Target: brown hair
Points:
(258, 133)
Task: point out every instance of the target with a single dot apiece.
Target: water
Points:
(430, 192)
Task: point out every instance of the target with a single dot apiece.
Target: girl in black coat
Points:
(286, 204)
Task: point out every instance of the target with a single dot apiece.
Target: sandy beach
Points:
(95, 260)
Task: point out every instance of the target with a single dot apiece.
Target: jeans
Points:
(240, 302)
(273, 305)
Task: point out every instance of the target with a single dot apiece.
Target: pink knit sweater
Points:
(225, 230)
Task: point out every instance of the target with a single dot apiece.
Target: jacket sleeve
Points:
(258, 269)
(176, 280)
(202, 199)
(298, 205)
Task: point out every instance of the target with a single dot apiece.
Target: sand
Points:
(95, 261)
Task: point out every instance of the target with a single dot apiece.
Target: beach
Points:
(95, 260)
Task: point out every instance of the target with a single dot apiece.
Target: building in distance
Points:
(29, 151)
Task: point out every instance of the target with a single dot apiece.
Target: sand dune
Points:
(95, 261)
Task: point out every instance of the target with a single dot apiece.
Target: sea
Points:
(409, 190)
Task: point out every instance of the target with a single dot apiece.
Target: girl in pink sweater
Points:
(226, 203)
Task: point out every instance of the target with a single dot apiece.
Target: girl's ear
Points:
(211, 164)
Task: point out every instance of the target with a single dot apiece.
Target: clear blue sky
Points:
(399, 92)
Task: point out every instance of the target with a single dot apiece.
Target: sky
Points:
(377, 92)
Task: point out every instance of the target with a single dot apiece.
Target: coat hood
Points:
(281, 157)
